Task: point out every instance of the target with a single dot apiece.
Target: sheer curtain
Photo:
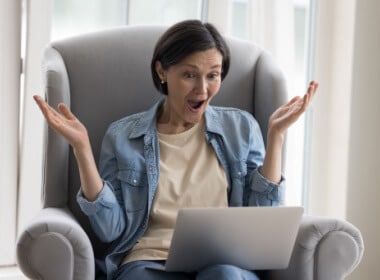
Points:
(271, 24)
(330, 122)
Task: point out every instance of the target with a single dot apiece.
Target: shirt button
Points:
(239, 174)
(134, 181)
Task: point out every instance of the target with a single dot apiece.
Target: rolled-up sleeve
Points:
(265, 192)
(106, 198)
(262, 191)
(104, 213)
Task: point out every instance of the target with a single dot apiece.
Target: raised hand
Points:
(279, 122)
(289, 113)
(64, 123)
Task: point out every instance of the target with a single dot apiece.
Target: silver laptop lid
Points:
(253, 238)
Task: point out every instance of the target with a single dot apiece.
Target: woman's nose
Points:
(202, 86)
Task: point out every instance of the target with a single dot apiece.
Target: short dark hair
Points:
(185, 38)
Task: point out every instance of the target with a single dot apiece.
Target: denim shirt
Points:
(129, 166)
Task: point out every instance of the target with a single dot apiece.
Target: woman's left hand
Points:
(279, 122)
(289, 113)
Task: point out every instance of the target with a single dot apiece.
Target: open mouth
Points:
(195, 105)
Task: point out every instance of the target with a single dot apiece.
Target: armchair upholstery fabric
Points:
(104, 76)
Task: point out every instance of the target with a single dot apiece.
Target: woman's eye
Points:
(213, 76)
(189, 75)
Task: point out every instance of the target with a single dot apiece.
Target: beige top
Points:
(190, 176)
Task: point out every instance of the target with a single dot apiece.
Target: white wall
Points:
(363, 206)
(10, 67)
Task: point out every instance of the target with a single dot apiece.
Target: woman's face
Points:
(191, 83)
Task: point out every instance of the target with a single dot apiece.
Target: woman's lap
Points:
(225, 272)
(148, 270)
(155, 270)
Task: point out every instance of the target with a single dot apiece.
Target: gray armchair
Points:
(104, 76)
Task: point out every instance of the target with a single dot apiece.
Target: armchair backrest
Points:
(104, 76)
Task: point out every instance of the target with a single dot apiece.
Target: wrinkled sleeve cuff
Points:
(106, 199)
(260, 184)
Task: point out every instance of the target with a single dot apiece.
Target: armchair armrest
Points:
(325, 249)
(54, 246)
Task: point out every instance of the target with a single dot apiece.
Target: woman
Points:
(180, 153)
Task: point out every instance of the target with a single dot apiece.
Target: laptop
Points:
(253, 238)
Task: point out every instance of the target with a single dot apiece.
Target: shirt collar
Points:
(146, 123)
(213, 122)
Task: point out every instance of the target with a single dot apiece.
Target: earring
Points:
(162, 82)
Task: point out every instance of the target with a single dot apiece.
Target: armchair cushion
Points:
(54, 246)
(326, 248)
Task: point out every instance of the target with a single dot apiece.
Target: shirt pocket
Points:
(134, 189)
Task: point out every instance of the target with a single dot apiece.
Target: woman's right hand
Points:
(65, 123)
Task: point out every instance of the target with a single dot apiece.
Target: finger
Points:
(302, 105)
(39, 101)
(291, 103)
(51, 115)
(44, 107)
(66, 111)
(294, 100)
(312, 89)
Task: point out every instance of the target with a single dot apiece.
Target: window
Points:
(239, 18)
(68, 18)
(163, 11)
